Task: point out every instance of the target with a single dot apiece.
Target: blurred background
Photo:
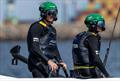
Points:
(16, 16)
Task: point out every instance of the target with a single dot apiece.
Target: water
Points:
(65, 47)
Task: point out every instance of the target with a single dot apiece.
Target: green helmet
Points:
(95, 20)
(48, 8)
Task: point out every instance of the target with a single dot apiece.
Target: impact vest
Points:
(42, 45)
(80, 51)
(48, 41)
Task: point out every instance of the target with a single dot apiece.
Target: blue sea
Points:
(65, 49)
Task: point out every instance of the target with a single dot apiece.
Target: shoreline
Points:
(64, 31)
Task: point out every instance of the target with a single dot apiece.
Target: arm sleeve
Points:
(55, 48)
(93, 44)
(35, 48)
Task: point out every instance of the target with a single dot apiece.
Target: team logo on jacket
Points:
(75, 45)
(35, 39)
(97, 52)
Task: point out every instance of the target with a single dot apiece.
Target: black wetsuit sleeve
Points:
(94, 46)
(56, 51)
(35, 34)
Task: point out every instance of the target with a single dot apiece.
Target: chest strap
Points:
(84, 67)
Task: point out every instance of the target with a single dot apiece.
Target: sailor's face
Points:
(99, 29)
(100, 26)
(50, 18)
(51, 14)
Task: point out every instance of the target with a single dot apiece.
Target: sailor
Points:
(86, 49)
(41, 41)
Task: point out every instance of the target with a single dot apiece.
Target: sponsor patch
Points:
(75, 45)
(35, 39)
(97, 52)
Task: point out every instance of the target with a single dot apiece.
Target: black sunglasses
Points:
(52, 12)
